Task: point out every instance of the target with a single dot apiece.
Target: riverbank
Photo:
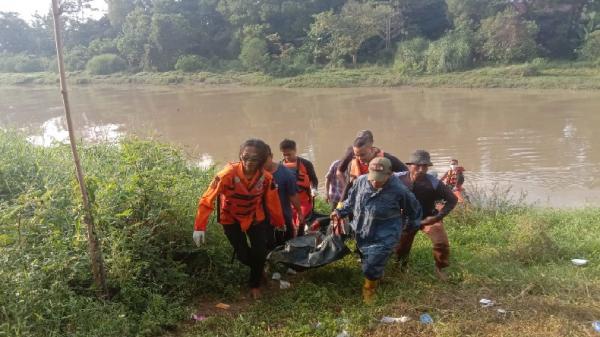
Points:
(145, 194)
(555, 75)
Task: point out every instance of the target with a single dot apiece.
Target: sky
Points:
(26, 8)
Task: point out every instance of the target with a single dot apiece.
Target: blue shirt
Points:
(379, 214)
(286, 183)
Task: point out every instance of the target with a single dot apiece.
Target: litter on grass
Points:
(284, 284)
(198, 318)
(486, 303)
(223, 306)
(390, 320)
(426, 319)
(579, 262)
(596, 326)
(276, 276)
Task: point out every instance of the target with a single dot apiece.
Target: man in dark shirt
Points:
(288, 196)
(428, 190)
(363, 151)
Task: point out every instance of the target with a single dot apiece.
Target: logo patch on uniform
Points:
(215, 182)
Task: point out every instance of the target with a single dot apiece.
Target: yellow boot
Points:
(369, 290)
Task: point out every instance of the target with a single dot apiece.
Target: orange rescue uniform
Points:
(241, 201)
(357, 168)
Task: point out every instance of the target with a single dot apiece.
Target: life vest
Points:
(240, 203)
(451, 178)
(302, 179)
(357, 168)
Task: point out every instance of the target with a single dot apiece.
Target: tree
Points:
(118, 11)
(254, 54)
(169, 36)
(134, 42)
(508, 38)
(15, 35)
(345, 32)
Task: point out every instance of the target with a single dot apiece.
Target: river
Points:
(540, 142)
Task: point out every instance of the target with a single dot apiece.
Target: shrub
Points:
(76, 58)
(102, 46)
(191, 63)
(508, 38)
(453, 52)
(105, 64)
(144, 198)
(254, 54)
(21, 63)
(591, 47)
(410, 56)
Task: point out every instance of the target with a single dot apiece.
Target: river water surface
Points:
(541, 142)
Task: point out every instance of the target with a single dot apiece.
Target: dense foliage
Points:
(268, 35)
(144, 196)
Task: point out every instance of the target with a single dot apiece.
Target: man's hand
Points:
(199, 237)
(428, 221)
(314, 192)
(336, 223)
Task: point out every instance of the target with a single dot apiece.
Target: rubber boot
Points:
(369, 290)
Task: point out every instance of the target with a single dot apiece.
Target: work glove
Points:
(199, 237)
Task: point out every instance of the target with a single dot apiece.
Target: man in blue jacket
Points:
(378, 202)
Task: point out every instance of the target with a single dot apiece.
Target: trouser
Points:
(374, 253)
(306, 207)
(439, 239)
(277, 238)
(253, 256)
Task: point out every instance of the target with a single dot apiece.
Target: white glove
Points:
(199, 237)
(314, 192)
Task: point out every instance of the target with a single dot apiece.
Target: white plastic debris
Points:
(318, 325)
(501, 311)
(579, 262)
(291, 271)
(284, 284)
(276, 276)
(486, 303)
(391, 320)
(344, 333)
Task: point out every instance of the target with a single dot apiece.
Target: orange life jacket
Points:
(240, 203)
(302, 179)
(451, 178)
(357, 168)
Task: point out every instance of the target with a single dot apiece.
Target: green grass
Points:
(145, 194)
(495, 256)
(542, 75)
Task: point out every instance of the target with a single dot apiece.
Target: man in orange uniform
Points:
(306, 179)
(244, 192)
(455, 178)
(363, 152)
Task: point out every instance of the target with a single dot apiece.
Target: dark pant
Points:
(439, 239)
(253, 256)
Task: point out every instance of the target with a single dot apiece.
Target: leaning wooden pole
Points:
(94, 246)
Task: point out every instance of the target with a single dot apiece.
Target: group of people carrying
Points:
(261, 203)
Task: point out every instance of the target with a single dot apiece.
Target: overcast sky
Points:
(26, 8)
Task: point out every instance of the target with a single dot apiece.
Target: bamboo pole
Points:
(94, 246)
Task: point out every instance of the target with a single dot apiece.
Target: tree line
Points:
(290, 37)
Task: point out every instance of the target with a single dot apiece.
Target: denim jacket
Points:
(378, 213)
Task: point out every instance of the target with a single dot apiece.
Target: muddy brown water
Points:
(545, 143)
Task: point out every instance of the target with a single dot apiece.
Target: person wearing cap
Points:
(379, 202)
(428, 190)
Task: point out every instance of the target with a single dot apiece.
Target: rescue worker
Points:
(378, 202)
(428, 190)
(244, 191)
(342, 170)
(306, 179)
(288, 197)
(455, 178)
(363, 152)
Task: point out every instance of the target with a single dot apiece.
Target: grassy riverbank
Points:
(554, 75)
(145, 196)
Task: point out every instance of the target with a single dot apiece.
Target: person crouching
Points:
(378, 202)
